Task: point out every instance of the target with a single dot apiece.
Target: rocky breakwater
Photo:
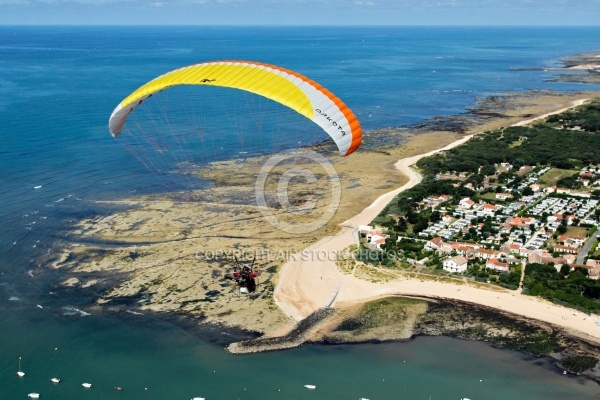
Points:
(294, 338)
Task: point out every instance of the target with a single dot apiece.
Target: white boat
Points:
(86, 385)
(198, 398)
(34, 395)
(19, 372)
(310, 387)
(55, 380)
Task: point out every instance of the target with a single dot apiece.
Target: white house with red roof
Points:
(466, 203)
(488, 209)
(434, 244)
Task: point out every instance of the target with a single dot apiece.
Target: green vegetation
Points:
(572, 288)
(564, 142)
(384, 312)
(537, 343)
(578, 364)
(559, 143)
(555, 175)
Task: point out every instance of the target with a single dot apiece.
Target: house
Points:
(465, 249)
(566, 249)
(572, 241)
(593, 268)
(522, 222)
(364, 229)
(488, 209)
(587, 175)
(466, 203)
(455, 264)
(581, 194)
(503, 196)
(513, 261)
(569, 258)
(434, 244)
(378, 242)
(495, 264)
(377, 239)
(373, 234)
(543, 257)
(486, 254)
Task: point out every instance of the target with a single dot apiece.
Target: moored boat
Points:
(19, 372)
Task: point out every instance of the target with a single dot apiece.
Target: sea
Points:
(58, 163)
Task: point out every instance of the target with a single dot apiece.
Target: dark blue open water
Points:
(58, 87)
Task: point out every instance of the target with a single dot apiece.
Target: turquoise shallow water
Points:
(57, 89)
(154, 360)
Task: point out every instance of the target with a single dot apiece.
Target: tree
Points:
(435, 216)
(421, 225)
(565, 270)
(402, 226)
(528, 191)
(412, 216)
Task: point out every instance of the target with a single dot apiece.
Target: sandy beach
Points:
(311, 279)
(170, 254)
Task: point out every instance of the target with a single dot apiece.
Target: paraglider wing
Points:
(284, 86)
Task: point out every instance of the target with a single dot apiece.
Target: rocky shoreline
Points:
(374, 323)
(146, 259)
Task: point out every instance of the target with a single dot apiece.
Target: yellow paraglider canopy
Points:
(289, 88)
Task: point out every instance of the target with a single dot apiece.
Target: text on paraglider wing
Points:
(334, 123)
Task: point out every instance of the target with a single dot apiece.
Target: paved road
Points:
(586, 247)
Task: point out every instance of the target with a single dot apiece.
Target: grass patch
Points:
(553, 175)
(516, 143)
(378, 313)
(577, 231)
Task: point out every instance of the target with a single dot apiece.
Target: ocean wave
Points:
(69, 311)
(14, 298)
(133, 312)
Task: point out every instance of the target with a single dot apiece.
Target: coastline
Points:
(147, 258)
(306, 286)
